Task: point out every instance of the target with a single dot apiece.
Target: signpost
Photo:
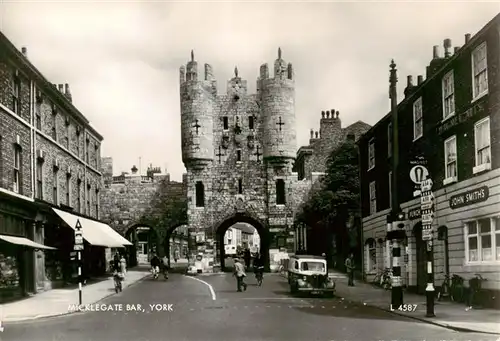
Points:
(79, 248)
(427, 211)
(418, 174)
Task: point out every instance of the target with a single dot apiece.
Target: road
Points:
(260, 313)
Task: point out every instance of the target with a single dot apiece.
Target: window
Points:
(16, 93)
(87, 159)
(54, 125)
(97, 203)
(38, 117)
(390, 189)
(68, 190)
(250, 122)
(78, 142)
(79, 196)
(240, 186)
(225, 122)
(482, 240)
(371, 252)
(39, 179)
(482, 145)
(68, 125)
(88, 199)
(389, 139)
(479, 71)
(96, 153)
(55, 186)
(238, 155)
(371, 154)
(450, 160)
(373, 198)
(418, 122)
(448, 90)
(200, 194)
(280, 192)
(17, 170)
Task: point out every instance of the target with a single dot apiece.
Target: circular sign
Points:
(418, 174)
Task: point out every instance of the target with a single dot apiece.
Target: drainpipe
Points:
(33, 137)
(85, 184)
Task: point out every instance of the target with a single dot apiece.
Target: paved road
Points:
(260, 313)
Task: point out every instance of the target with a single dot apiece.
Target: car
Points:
(309, 274)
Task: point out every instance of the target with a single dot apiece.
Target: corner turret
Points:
(197, 103)
(277, 96)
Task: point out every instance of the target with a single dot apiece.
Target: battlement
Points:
(282, 70)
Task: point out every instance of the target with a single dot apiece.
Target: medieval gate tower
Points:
(238, 149)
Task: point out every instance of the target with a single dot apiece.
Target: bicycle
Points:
(475, 287)
(383, 279)
(259, 275)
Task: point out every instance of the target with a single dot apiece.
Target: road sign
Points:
(428, 206)
(427, 218)
(426, 234)
(427, 199)
(78, 247)
(418, 174)
(426, 185)
(78, 225)
(78, 239)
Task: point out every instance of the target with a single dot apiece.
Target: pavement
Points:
(56, 302)
(208, 308)
(448, 314)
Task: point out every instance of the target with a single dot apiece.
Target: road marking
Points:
(268, 298)
(212, 292)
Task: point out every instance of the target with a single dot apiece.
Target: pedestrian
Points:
(123, 265)
(239, 272)
(349, 264)
(248, 257)
(166, 266)
(155, 265)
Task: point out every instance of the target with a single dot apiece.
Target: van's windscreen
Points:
(312, 266)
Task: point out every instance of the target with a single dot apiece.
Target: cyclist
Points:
(258, 265)
(155, 265)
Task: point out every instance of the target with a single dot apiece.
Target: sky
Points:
(122, 59)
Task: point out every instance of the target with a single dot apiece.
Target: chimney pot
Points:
(337, 114)
(322, 114)
(61, 87)
(24, 51)
(467, 38)
(435, 52)
(328, 114)
(420, 79)
(447, 46)
(316, 134)
(455, 49)
(409, 81)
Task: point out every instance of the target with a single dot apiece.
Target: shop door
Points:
(421, 261)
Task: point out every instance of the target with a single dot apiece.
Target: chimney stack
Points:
(409, 83)
(447, 46)
(435, 52)
(467, 38)
(24, 51)
(67, 92)
(455, 49)
(420, 79)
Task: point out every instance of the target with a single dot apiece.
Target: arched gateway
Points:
(239, 149)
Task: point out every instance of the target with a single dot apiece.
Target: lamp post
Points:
(395, 220)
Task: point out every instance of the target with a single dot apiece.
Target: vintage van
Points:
(309, 274)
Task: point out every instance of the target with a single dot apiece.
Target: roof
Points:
(308, 257)
(54, 93)
(437, 73)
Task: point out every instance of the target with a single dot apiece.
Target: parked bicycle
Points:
(452, 288)
(475, 288)
(383, 279)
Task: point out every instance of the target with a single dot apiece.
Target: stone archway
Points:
(221, 229)
(178, 234)
(145, 239)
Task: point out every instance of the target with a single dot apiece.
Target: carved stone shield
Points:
(238, 139)
(240, 205)
(225, 142)
(251, 142)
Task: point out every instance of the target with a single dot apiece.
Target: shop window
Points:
(482, 242)
(371, 252)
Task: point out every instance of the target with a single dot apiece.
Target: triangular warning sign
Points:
(78, 225)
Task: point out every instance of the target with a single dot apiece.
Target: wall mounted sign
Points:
(470, 197)
(414, 214)
(474, 110)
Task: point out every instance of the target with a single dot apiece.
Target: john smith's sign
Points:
(471, 197)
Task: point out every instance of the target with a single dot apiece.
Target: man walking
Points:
(239, 272)
(349, 264)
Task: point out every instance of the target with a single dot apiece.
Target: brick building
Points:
(126, 199)
(452, 121)
(49, 161)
